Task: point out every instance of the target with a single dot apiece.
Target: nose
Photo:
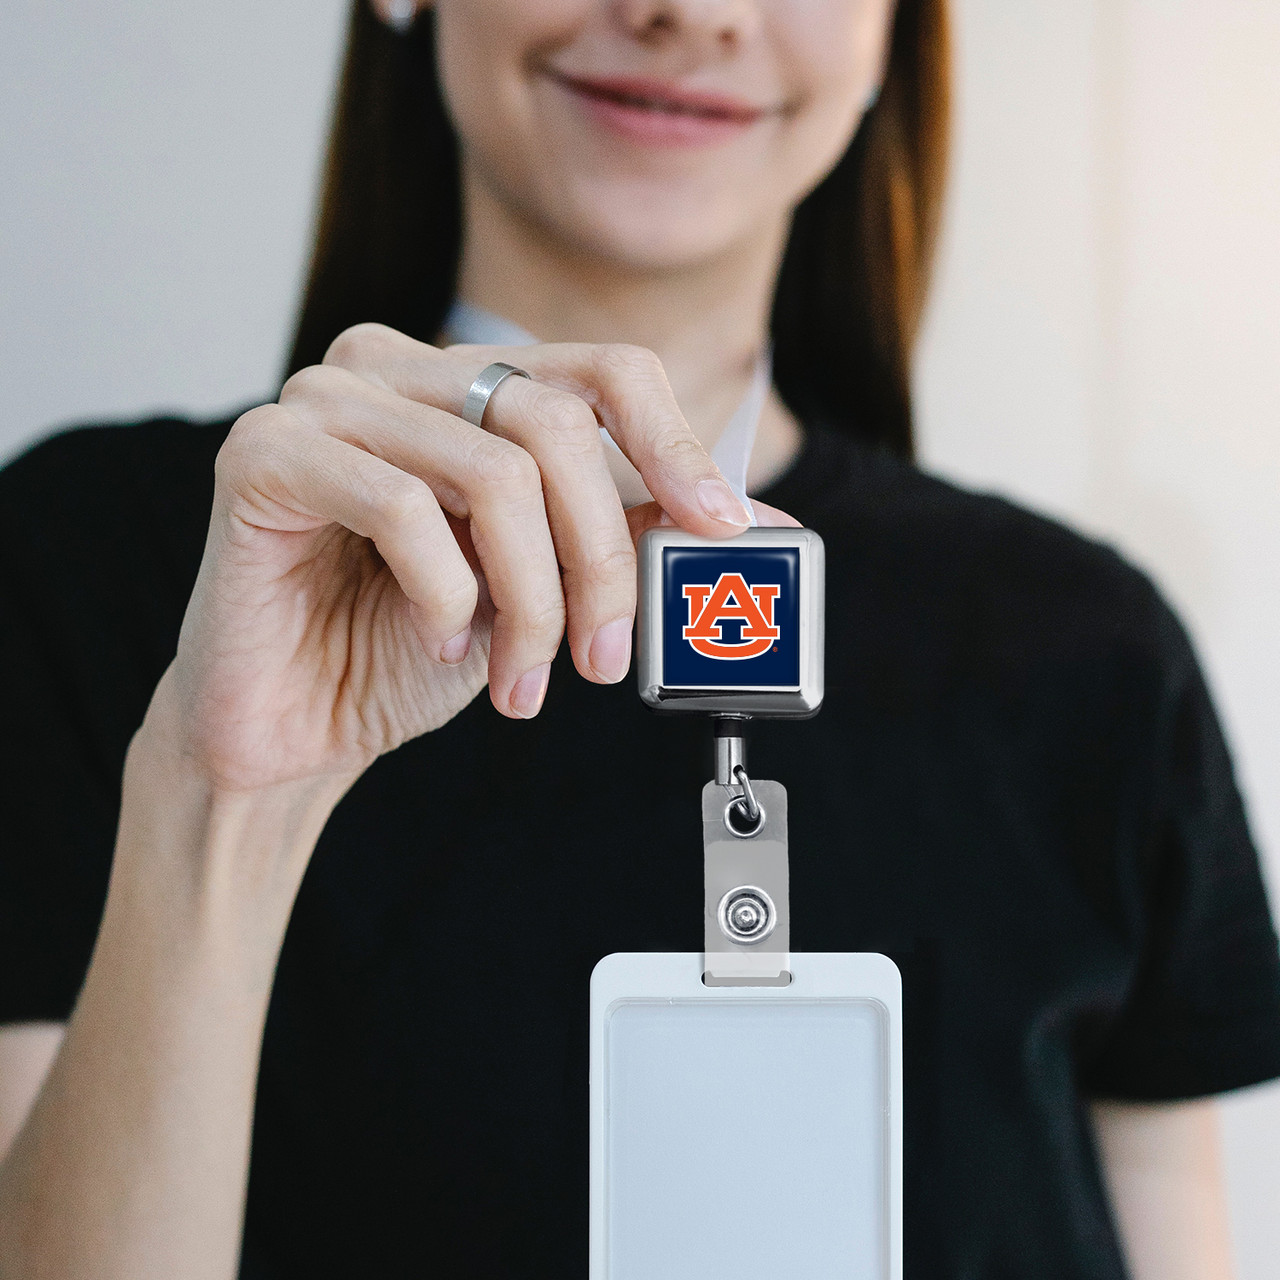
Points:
(724, 24)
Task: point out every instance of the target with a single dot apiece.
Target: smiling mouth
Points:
(659, 100)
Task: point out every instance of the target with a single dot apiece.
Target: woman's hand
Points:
(373, 560)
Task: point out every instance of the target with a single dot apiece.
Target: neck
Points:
(708, 323)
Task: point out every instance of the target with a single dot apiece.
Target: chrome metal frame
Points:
(790, 702)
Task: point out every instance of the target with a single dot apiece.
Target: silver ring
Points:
(491, 378)
(748, 796)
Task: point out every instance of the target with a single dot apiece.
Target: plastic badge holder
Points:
(745, 1133)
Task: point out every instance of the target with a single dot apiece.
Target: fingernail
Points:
(456, 649)
(531, 688)
(611, 650)
(718, 501)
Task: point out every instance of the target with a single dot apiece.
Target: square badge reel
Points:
(746, 1100)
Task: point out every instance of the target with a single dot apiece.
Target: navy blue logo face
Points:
(730, 617)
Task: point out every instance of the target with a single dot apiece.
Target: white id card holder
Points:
(746, 1133)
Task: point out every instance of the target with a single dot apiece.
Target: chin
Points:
(652, 231)
(648, 248)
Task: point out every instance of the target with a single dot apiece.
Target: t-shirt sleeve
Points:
(1203, 1012)
(90, 597)
(57, 812)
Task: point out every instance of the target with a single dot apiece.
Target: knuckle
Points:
(401, 500)
(357, 342)
(612, 565)
(499, 464)
(543, 618)
(679, 450)
(454, 599)
(251, 438)
(567, 419)
(626, 362)
(312, 385)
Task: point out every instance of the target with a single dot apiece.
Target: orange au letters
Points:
(731, 598)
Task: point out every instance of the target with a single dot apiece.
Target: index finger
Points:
(628, 391)
(625, 386)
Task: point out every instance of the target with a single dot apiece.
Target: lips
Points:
(661, 112)
(663, 96)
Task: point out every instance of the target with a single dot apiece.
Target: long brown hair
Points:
(854, 277)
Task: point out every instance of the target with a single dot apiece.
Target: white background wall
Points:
(1105, 341)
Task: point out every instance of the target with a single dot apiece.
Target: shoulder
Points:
(101, 531)
(112, 487)
(979, 583)
(104, 462)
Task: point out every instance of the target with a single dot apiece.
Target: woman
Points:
(1017, 788)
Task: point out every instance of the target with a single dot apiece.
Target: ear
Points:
(399, 15)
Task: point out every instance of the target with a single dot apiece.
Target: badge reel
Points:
(746, 1104)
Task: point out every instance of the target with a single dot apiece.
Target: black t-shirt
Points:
(1017, 789)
